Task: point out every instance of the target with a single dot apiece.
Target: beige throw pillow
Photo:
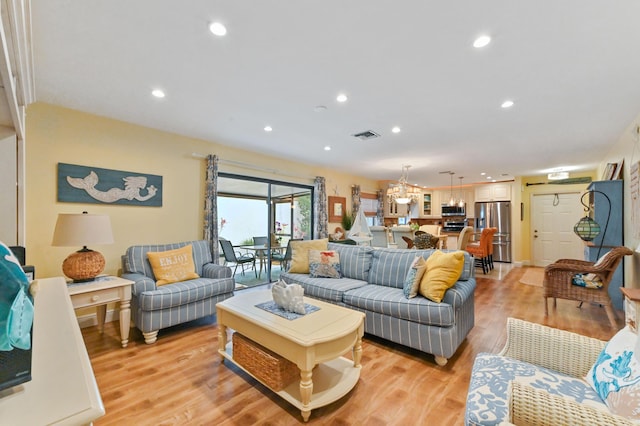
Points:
(300, 254)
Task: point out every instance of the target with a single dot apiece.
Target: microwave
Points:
(455, 210)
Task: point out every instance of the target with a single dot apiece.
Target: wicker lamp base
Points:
(83, 265)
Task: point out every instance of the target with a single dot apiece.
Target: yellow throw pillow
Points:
(300, 254)
(443, 270)
(172, 266)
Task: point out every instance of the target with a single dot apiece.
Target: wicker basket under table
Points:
(265, 365)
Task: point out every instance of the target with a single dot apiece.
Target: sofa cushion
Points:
(171, 266)
(490, 377)
(615, 376)
(322, 288)
(136, 260)
(355, 261)
(389, 267)
(443, 270)
(300, 254)
(324, 264)
(391, 301)
(185, 292)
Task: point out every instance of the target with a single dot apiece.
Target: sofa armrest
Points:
(531, 406)
(552, 348)
(213, 270)
(461, 291)
(140, 282)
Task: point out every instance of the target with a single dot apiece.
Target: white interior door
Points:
(552, 219)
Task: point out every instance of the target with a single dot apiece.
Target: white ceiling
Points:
(572, 68)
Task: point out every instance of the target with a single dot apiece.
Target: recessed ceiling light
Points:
(320, 108)
(507, 104)
(482, 174)
(158, 93)
(218, 29)
(268, 128)
(396, 129)
(327, 148)
(489, 177)
(481, 41)
(341, 97)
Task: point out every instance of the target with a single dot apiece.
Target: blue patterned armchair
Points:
(156, 307)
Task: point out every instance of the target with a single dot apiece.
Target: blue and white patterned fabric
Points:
(355, 261)
(490, 377)
(327, 289)
(154, 308)
(437, 329)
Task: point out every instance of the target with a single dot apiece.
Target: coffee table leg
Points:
(357, 352)
(306, 389)
(222, 340)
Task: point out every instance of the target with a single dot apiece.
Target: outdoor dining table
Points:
(260, 252)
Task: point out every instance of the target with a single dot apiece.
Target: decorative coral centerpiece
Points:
(289, 297)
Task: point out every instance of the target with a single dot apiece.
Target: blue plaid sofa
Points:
(372, 282)
(157, 307)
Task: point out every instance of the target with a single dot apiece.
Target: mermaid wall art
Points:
(82, 184)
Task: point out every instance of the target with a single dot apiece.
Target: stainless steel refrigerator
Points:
(495, 214)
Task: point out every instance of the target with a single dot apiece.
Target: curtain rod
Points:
(254, 167)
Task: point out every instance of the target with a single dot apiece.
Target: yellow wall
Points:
(523, 250)
(57, 135)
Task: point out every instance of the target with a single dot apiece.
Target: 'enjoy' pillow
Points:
(172, 266)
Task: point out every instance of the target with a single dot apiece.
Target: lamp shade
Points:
(82, 230)
(587, 229)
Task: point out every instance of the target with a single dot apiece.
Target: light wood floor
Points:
(180, 379)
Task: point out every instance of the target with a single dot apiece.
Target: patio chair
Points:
(561, 280)
(284, 258)
(239, 259)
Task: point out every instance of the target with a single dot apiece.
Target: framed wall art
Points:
(83, 184)
(337, 207)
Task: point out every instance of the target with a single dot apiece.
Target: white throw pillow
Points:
(616, 375)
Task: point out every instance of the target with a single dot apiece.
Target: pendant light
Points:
(451, 200)
(461, 200)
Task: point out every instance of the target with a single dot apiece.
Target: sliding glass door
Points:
(259, 217)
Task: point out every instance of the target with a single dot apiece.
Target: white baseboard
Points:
(90, 320)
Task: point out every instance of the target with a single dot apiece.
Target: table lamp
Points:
(82, 230)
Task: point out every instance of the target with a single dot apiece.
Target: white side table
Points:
(100, 292)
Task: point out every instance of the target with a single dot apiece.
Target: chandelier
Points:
(401, 192)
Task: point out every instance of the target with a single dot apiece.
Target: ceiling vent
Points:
(366, 135)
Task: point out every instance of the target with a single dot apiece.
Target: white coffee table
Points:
(318, 338)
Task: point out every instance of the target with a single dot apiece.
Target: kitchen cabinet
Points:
(493, 192)
(615, 231)
(392, 209)
(427, 204)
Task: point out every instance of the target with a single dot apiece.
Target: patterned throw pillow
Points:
(412, 281)
(172, 266)
(443, 270)
(587, 280)
(324, 264)
(616, 375)
(300, 254)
